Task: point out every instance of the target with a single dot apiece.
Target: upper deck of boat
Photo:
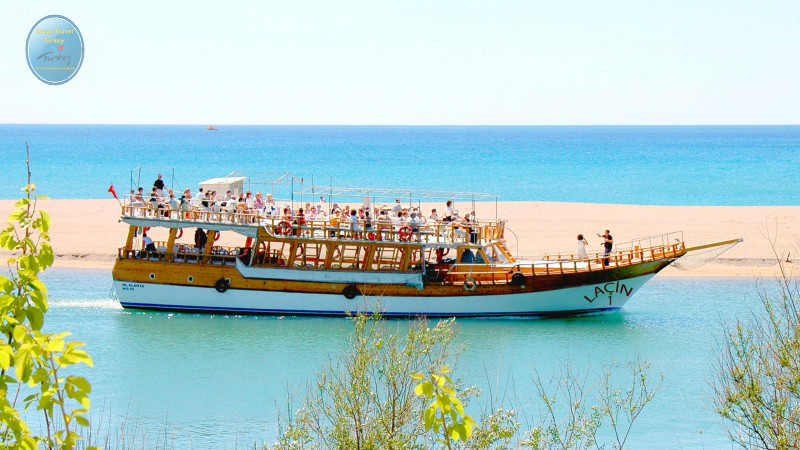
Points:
(440, 233)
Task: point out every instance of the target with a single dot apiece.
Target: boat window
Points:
(495, 255)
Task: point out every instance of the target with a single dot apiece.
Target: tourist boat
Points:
(211, 128)
(293, 266)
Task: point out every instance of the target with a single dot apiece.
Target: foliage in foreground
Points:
(388, 391)
(28, 356)
(757, 382)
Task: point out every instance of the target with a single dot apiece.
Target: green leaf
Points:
(16, 214)
(35, 317)
(430, 417)
(45, 221)
(80, 383)
(19, 333)
(82, 421)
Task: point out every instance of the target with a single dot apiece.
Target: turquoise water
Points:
(677, 165)
(217, 381)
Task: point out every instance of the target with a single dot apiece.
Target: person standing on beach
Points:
(582, 243)
(608, 243)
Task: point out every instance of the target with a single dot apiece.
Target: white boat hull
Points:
(566, 301)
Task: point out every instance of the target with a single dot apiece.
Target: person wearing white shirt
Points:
(396, 208)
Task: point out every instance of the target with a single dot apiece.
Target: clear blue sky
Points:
(413, 62)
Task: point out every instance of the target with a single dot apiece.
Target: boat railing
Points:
(666, 240)
(567, 264)
(480, 231)
(182, 253)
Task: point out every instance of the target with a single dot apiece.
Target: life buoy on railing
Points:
(284, 228)
(179, 234)
(470, 284)
(405, 233)
(222, 285)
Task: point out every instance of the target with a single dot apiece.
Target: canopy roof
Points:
(391, 194)
(223, 180)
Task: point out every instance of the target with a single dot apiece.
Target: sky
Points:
(412, 62)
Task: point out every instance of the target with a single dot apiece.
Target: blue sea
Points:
(659, 165)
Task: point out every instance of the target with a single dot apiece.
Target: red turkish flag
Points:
(113, 192)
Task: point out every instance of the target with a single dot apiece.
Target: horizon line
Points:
(413, 124)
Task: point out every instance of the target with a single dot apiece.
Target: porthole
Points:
(190, 279)
(152, 276)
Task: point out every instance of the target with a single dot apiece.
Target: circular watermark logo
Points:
(54, 49)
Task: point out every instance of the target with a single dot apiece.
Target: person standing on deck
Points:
(200, 239)
(608, 243)
(582, 243)
(159, 184)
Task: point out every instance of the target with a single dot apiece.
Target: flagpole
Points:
(115, 195)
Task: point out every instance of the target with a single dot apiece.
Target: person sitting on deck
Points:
(187, 195)
(414, 222)
(153, 204)
(258, 202)
(249, 199)
(172, 203)
(434, 216)
(467, 257)
(384, 223)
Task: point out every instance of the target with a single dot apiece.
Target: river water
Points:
(218, 381)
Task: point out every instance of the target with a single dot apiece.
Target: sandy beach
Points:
(87, 233)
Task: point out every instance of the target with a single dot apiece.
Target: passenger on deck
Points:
(149, 246)
(434, 216)
(140, 195)
(173, 205)
(301, 217)
(248, 198)
(258, 203)
(187, 195)
(334, 221)
(396, 208)
(467, 257)
(154, 205)
(414, 222)
(449, 211)
(582, 243)
(186, 207)
(200, 239)
(159, 185)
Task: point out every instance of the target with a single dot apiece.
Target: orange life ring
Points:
(284, 228)
(405, 233)
(179, 234)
